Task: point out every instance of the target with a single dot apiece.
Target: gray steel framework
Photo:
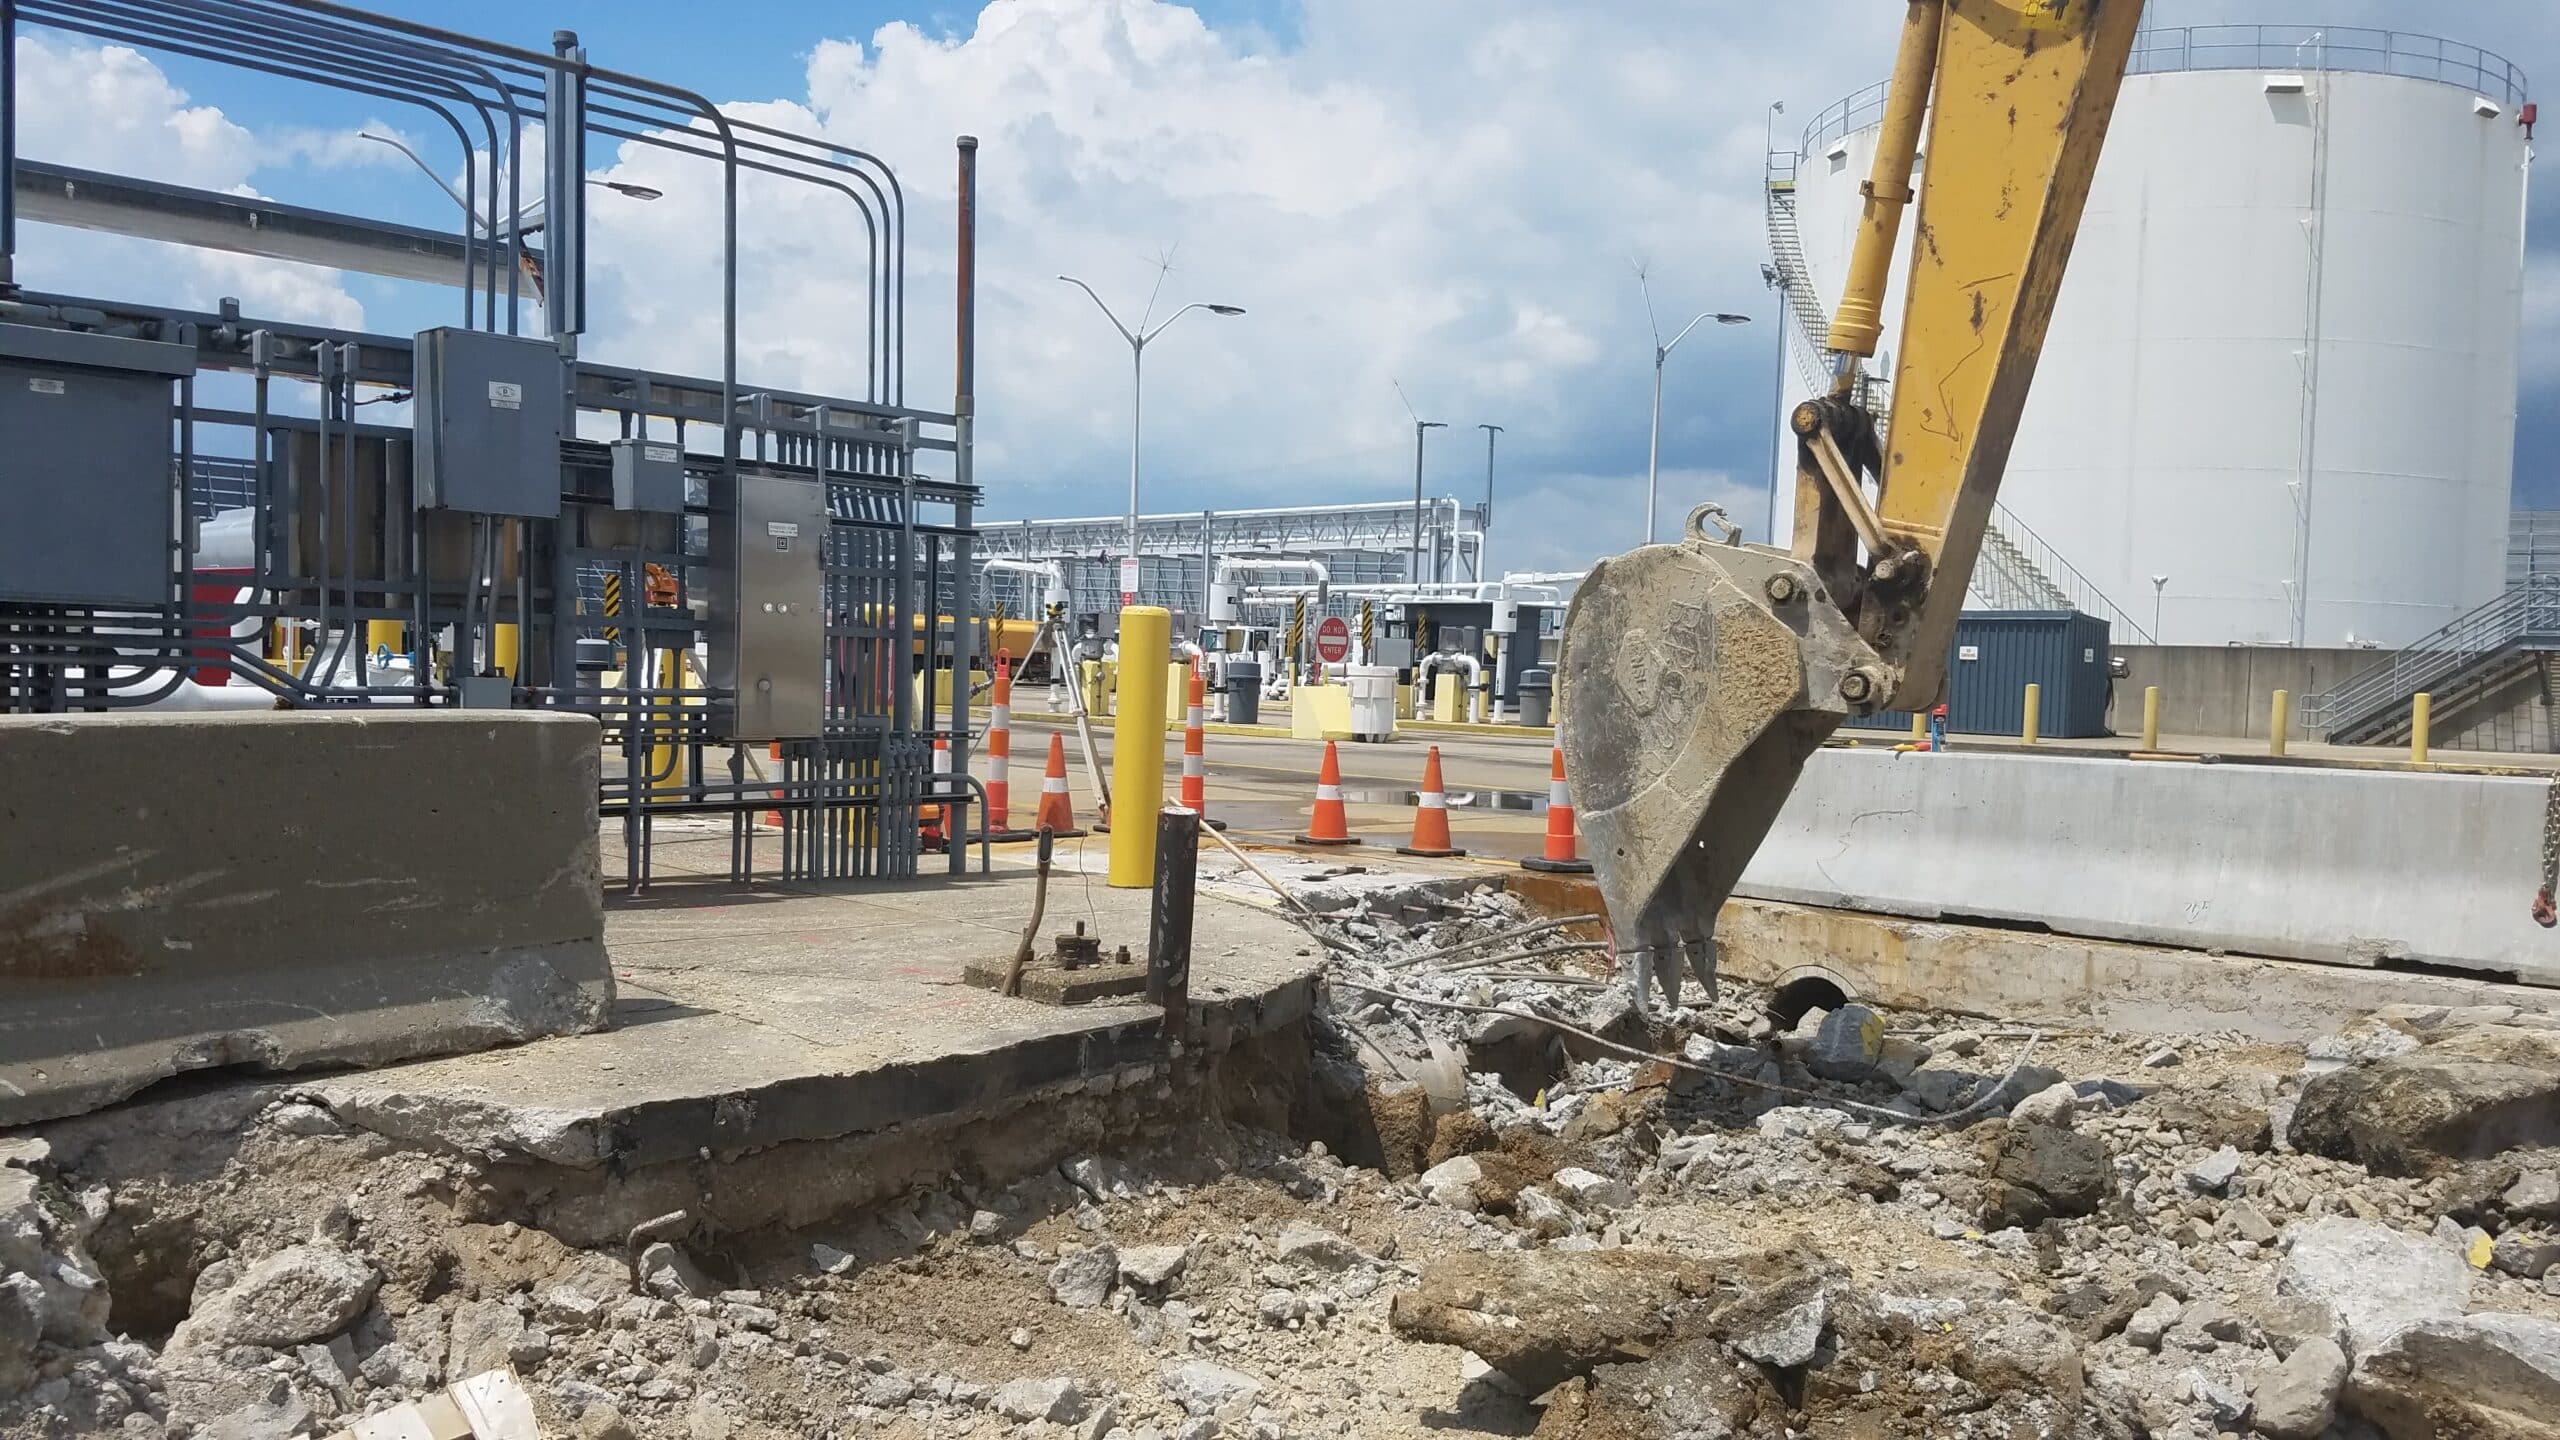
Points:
(338, 538)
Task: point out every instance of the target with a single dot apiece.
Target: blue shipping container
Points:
(1999, 653)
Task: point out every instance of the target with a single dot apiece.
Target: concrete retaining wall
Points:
(181, 892)
(2224, 689)
(2291, 862)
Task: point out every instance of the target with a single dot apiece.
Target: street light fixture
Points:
(532, 218)
(2158, 584)
(1490, 430)
(1661, 352)
(1421, 427)
(1137, 398)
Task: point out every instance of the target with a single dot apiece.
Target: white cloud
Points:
(1434, 190)
(1418, 191)
(107, 107)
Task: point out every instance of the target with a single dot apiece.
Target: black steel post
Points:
(1169, 924)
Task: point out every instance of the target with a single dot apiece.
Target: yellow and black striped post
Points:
(613, 605)
(1368, 631)
(1297, 636)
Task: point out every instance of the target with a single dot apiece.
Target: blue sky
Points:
(1443, 193)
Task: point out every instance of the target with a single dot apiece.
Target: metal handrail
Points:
(2494, 626)
(2178, 49)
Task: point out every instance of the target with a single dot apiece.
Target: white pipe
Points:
(1055, 593)
(1422, 676)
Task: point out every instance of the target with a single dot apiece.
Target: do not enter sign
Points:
(1333, 640)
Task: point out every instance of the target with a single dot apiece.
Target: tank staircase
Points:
(2474, 669)
(2017, 569)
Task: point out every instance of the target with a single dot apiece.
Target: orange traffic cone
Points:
(1561, 857)
(997, 824)
(1431, 814)
(1057, 813)
(1195, 758)
(1332, 826)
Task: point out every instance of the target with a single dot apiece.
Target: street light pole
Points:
(1420, 426)
(1137, 402)
(1483, 542)
(1661, 352)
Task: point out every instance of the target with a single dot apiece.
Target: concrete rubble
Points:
(1708, 1221)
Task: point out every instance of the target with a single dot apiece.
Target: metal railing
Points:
(2176, 49)
(2526, 612)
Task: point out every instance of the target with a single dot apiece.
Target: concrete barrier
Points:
(2358, 867)
(182, 892)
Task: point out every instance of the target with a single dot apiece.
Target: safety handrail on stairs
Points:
(2024, 571)
(2528, 610)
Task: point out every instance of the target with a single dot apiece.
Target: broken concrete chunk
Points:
(1153, 1267)
(2297, 1399)
(1083, 1278)
(1204, 1389)
(1944, 1090)
(2482, 1375)
(2153, 1321)
(2378, 1280)
(1544, 1316)
(1787, 1336)
(307, 1292)
(2475, 1093)
(669, 1274)
(1317, 1248)
(2534, 1196)
(2213, 1174)
(2055, 1104)
(1453, 1183)
(2040, 1172)
(1057, 1401)
(2163, 1058)
(1594, 1192)
(2288, 1320)
(1847, 1044)
(1543, 1214)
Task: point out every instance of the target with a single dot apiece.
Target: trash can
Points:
(1537, 696)
(1244, 692)
(1373, 701)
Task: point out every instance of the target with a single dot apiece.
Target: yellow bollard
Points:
(2279, 720)
(1919, 727)
(1177, 692)
(666, 766)
(2422, 708)
(2150, 717)
(502, 649)
(2035, 702)
(1137, 748)
(381, 635)
(1444, 697)
(1097, 697)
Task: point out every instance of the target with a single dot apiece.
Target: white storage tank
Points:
(2281, 374)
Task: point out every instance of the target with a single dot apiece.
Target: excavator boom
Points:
(1698, 677)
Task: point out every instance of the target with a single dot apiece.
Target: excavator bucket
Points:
(1696, 679)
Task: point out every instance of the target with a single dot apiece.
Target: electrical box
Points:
(769, 622)
(1395, 650)
(88, 501)
(489, 417)
(648, 475)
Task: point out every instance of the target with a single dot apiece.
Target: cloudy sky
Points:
(1449, 194)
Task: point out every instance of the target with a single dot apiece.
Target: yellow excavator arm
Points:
(1697, 677)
